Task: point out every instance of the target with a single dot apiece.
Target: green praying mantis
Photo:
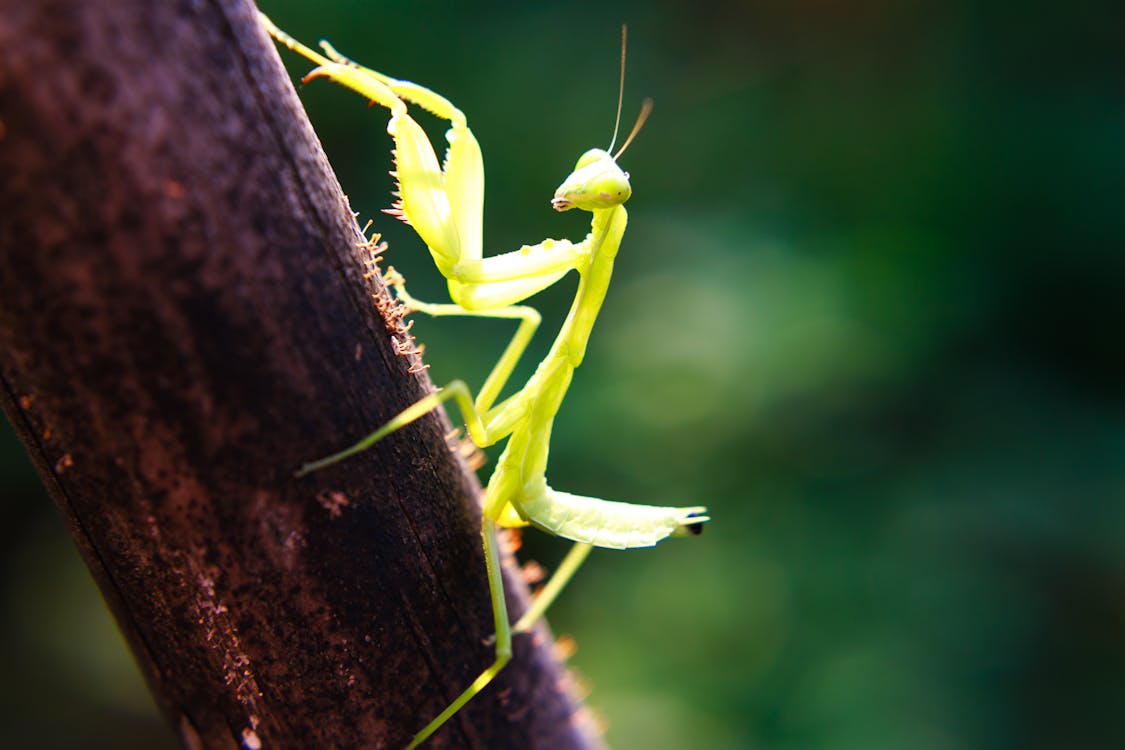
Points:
(444, 205)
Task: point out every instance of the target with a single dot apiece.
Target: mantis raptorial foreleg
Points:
(444, 206)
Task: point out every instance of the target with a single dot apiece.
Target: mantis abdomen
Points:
(605, 523)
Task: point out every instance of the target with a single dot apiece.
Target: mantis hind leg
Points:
(558, 581)
(503, 637)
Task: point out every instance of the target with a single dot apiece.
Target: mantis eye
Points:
(591, 156)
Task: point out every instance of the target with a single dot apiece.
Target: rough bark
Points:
(184, 319)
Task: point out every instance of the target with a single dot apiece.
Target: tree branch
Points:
(184, 319)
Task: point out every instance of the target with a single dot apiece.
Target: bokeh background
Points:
(869, 310)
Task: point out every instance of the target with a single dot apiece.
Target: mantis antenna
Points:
(620, 91)
(646, 106)
(646, 110)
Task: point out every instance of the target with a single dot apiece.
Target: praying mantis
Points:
(444, 205)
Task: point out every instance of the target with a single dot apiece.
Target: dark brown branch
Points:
(183, 321)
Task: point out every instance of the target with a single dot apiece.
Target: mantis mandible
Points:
(444, 205)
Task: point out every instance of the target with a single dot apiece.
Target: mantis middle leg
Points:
(485, 424)
(529, 319)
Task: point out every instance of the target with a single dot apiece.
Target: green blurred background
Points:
(868, 310)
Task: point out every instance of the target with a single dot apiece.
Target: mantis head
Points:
(596, 183)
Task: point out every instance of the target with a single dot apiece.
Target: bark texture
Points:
(184, 319)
